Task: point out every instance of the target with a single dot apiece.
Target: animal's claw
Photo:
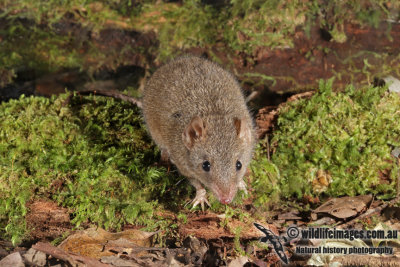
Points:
(242, 186)
(200, 198)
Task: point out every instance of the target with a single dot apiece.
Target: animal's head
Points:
(219, 151)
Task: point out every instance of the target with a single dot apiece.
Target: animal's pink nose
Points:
(225, 199)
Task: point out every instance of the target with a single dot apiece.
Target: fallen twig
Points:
(110, 93)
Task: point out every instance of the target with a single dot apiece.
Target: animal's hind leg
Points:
(165, 159)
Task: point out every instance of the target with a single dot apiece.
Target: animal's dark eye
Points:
(206, 166)
(238, 165)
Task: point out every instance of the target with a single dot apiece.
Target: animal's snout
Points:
(226, 199)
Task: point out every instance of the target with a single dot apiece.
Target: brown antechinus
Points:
(196, 113)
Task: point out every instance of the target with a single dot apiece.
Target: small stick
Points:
(110, 93)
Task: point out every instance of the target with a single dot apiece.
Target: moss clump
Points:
(62, 35)
(67, 34)
(337, 144)
(247, 25)
(94, 157)
(265, 176)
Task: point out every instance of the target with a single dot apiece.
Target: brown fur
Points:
(195, 111)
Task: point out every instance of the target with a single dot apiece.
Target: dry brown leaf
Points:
(239, 262)
(117, 261)
(208, 227)
(73, 259)
(92, 242)
(13, 259)
(291, 215)
(344, 207)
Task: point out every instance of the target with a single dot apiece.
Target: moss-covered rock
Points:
(97, 149)
(332, 144)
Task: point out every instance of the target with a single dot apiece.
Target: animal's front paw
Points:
(242, 186)
(200, 198)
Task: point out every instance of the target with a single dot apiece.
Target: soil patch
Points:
(47, 220)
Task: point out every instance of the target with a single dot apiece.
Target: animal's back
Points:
(188, 87)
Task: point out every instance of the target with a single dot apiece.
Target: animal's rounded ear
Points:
(194, 131)
(243, 129)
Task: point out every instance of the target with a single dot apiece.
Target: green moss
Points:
(248, 25)
(191, 25)
(97, 150)
(344, 139)
(236, 241)
(265, 177)
(62, 34)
